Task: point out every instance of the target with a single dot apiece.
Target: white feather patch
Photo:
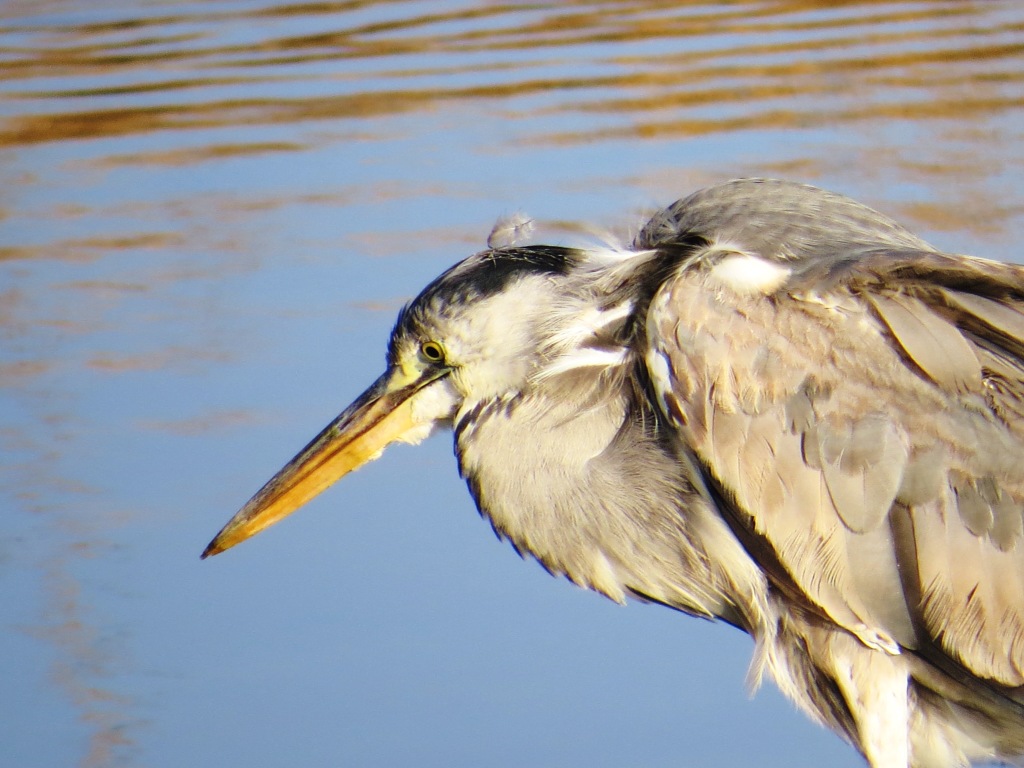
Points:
(603, 579)
(510, 230)
(588, 357)
(745, 273)
(588, 323)
(657, 367)
(609, 255)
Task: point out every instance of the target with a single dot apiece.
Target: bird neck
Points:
(592, 488)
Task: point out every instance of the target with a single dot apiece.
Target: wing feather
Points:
(987, 314)
(879, 456)
(936, 346)
(863, 466)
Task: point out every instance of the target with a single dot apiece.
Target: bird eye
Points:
(432, 351)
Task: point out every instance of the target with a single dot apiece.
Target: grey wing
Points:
(864, 424)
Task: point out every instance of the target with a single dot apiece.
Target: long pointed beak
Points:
(378, 417)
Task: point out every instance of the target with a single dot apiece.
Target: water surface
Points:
(209, 214)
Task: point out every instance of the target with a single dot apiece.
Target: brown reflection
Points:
(70, 629)
(87, 660)
(948, 57)
(387, 307)
(395, 243)
(169, 358)
(86, 249)
(14, 374)
(194, 156)
(72, 521)
(561, 73)
(962, 213)
(201, 425)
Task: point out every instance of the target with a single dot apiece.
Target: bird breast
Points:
(593, 494)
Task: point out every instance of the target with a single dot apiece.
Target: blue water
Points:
(209, 214)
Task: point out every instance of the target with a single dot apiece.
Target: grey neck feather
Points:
(545, 457)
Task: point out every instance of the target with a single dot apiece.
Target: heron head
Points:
(479, 331)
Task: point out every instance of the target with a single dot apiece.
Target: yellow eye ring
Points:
(432, 351)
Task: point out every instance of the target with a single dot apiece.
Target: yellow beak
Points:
(378, 417)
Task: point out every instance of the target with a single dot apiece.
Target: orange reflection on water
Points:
(777, 66)
(121, 98)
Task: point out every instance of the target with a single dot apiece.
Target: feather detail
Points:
(510, 230)
(587, 357)
(931, 343)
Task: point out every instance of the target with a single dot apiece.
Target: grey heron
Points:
(777, 408)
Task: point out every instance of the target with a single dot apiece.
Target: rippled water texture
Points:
(209, 213)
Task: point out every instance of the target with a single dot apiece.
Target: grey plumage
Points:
(777, 408)
(510, 230)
